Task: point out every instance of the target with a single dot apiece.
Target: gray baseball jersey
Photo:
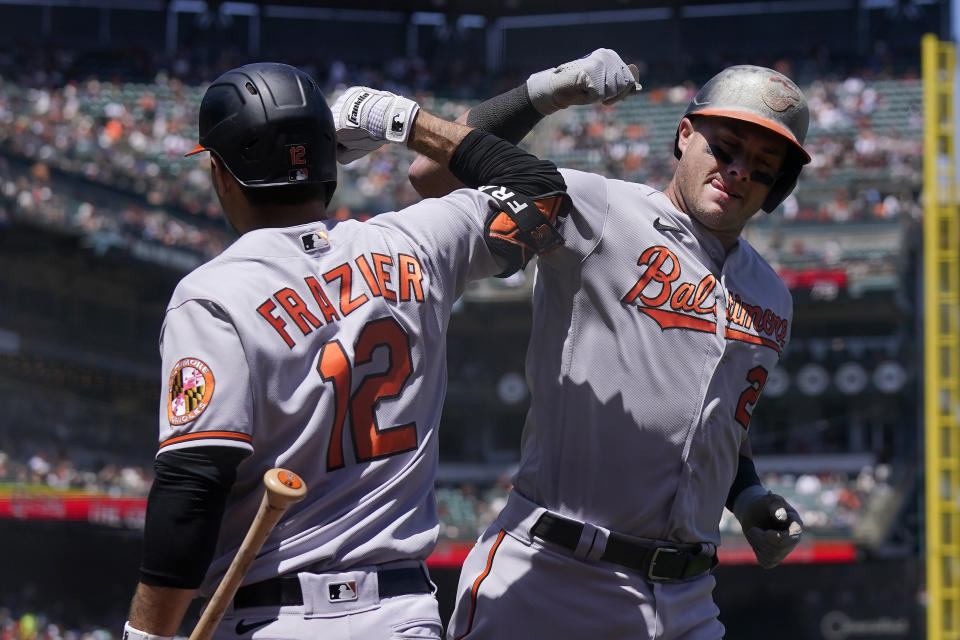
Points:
(659, 343)
(322, 349)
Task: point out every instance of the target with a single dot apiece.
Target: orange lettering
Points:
(681, 297)
(705, 292)
(654, 257)
(266, 310)
(343, 274)
(368, 275)
(296, 309)
(326, 308)
(410, 276)
(379, 262)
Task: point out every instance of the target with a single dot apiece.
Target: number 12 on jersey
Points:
(370, 442)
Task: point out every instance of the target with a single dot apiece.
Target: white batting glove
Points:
(599, 77)
(366, 119)
(771, 525)
(132, 633)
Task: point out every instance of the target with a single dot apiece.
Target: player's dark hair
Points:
(288, 195)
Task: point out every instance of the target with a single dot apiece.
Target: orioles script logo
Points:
(685, 305)
(687, 302)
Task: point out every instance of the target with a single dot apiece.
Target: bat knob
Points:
(283, 488)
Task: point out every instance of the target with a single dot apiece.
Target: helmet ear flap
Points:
(778, 193)
(785, 183)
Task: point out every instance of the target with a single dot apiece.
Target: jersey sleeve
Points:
(448, 236)
(584, 226)
(206, 397)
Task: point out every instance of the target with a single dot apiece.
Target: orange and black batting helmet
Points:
(270, 125)
(764, 97)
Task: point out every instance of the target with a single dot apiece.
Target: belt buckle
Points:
(653, 563)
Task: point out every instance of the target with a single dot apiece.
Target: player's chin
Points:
(718, 211)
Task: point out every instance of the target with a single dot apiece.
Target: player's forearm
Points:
(746, 479)
(510, 116)
(431, 179)
(159, 610)
(436, 138)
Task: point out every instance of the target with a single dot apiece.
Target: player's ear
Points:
(223, 181)
(684, 134)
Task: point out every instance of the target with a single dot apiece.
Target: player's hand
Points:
(599, 77)
(772, 527)
(366, 119)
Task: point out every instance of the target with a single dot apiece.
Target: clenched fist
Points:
(771, 525)
(599, 77)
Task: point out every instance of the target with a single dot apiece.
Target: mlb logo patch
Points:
(342, 591)
(315, 241)
(399, 119)
(298, 175)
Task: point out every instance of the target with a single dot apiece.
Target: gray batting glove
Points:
(771, 526)
(599, 77)
(366, 119)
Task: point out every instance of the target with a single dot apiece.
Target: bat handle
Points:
(283, 488)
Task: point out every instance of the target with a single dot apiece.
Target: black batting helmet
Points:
(270, 125)
(764, 97)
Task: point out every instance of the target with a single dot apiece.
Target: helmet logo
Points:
(778, 95)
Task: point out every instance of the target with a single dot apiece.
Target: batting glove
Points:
(771, 526)
(366, 119)
(599, 77)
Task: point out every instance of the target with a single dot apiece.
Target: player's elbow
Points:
(429, 179)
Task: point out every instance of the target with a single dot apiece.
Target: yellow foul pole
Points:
(941, 271)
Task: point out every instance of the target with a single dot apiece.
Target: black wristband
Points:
(746, 477)
(509, 115)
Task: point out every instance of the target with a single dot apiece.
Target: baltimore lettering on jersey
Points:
(684, 305)
(350, 285)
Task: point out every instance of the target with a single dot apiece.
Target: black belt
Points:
(654, 561)
(285, 590)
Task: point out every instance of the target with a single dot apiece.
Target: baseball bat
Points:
(283, 488)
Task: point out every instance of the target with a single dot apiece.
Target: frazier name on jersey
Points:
(350, 285)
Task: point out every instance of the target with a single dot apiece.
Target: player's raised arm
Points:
(599, 77)
(528, 193)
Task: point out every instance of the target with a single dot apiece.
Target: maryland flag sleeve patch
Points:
(190, 391)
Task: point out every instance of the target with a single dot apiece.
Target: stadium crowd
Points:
(27, 625)
(131, 137)
(829, 503)
(61, 472)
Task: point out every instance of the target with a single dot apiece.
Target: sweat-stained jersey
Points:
(659, 343)
(322, 349)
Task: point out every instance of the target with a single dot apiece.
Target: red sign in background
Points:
(128, 512)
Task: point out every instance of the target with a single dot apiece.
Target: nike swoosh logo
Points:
(243, 628)
(659, 226)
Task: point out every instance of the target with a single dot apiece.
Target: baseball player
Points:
(655, 327)
(320, 347)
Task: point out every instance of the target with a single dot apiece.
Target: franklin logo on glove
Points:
(354, 117)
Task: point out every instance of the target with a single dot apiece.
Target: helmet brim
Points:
(197, 149)
(757, 119)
